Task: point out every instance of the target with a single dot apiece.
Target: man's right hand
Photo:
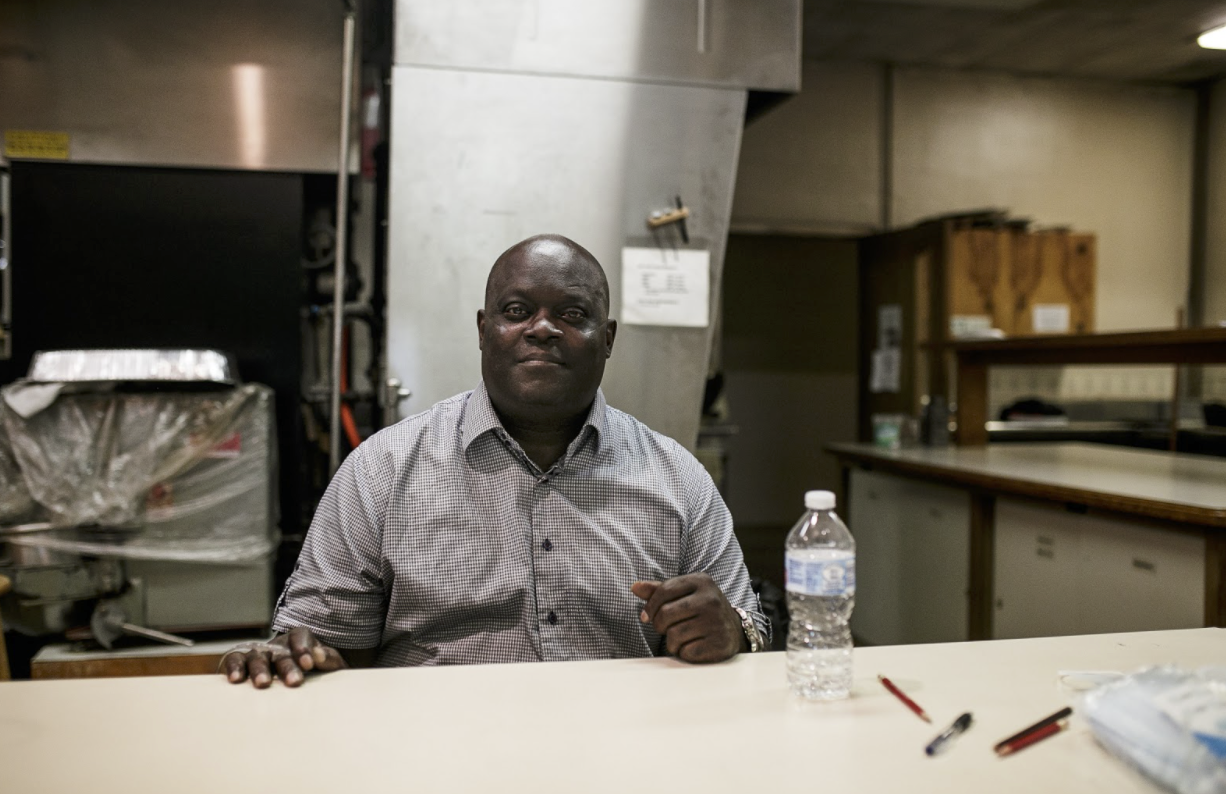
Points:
(288, 657)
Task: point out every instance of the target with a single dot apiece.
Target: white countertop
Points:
(618, 726)
(1191, 481)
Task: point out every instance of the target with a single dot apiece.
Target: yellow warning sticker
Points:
(36, 144)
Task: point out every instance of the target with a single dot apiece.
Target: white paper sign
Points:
(665, 287)
(969, 326)
(886, 375)
(889, 326)
(1050, 318)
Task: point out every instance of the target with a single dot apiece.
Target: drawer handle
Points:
(1046, 553)
(1144, 565)
(1043, 540)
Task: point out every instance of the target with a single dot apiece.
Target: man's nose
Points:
(542, 327)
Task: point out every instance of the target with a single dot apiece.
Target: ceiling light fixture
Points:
(1214, 39)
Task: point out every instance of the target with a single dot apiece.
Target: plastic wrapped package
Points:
(15, 501)
(185, 476)
(1168, 723)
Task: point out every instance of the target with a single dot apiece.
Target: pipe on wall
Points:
(342, 231)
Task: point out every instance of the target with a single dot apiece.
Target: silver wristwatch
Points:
(756, 643)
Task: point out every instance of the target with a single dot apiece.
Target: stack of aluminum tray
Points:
(184, 365)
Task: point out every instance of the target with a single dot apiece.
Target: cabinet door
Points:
(935, 521)
(1068, 573)
(1035, 571)
(1139, 577)
(874, 523)
(912, 552)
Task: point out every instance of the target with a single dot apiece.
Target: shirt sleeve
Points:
(709, 545)
(336, 589)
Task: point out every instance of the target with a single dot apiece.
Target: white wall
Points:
(813, 164)
(1098, 157)
(1215, 254)
(1107, 158)
(1214, 384)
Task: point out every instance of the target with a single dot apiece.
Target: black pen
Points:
(938, 744)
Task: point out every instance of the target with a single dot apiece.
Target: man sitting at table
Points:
(525, 520)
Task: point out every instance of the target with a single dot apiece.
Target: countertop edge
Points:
(890, 461)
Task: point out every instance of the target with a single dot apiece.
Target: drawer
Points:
(1059, 572)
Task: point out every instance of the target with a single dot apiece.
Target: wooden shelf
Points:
(1184, 346)
(1187, 346)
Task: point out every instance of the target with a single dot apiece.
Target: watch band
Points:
(752, 635)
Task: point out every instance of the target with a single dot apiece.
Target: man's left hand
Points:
(692, 614)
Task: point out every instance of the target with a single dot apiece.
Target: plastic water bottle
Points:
(821, 586)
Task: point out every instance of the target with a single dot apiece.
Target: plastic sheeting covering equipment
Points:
(15, 501)
(186, 476)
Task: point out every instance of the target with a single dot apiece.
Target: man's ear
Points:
(610, 333)
(481, 329)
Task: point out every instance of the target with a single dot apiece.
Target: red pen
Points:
(908, 702)
(1062, 714)
(1031, 738)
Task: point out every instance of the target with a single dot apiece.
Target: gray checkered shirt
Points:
(440, 542)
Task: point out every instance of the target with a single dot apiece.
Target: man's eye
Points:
(574, 314)
(515, 311)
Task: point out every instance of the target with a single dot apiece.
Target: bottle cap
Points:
(819, 500)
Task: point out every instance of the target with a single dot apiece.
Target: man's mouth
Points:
(540, 361)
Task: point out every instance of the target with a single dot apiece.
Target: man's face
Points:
(544, 334)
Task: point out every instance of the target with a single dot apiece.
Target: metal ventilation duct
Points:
(516, 118)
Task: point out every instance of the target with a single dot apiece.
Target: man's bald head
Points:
(544, 335)
(546, 249)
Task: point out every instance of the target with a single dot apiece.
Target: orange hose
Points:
(347, 420)
(351, 427)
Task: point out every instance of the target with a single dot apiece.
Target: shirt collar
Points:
(480, 418)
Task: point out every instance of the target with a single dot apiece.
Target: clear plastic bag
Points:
(185, 476)
(15, 501)
(1167, 722)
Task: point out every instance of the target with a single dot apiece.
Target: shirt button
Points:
(547, 546)
(553, 619)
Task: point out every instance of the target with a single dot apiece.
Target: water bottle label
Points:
(821, 576)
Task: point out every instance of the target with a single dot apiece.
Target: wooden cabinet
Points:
(911, 560)
(951, 276)
(1058, 572)
(1017, 280)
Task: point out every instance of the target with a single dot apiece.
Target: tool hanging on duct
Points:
(661, 218)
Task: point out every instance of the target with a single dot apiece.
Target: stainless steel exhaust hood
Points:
(512, 118)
